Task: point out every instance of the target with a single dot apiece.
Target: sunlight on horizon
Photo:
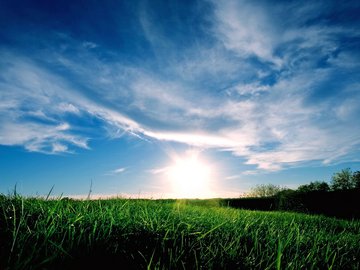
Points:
(190, 177)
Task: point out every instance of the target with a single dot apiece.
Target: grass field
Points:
(168, 234)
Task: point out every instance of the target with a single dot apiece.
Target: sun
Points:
(190, 177)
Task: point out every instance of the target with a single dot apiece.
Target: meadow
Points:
(120, 233)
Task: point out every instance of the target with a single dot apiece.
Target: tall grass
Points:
(168, 234)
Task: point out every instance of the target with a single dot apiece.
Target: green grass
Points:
(168, 234)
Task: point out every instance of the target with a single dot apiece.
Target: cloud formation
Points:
(272, 83)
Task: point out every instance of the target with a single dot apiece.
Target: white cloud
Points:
(25, 88)
(58, 147)
(159, 170)
(39, 137)
(119, 170)
(68, 107)
(249, 89)
(29, 88)
(207, 140)
(246, 28)
(116, 171)
(278, 33)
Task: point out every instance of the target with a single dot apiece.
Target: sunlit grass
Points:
(169, 234)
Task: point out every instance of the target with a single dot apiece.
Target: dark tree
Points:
(321, 186)
(356, 179)
(342, 180)
(304, 188)
(314, 186)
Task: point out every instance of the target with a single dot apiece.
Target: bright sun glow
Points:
(190, 177)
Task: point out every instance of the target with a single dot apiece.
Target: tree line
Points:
(340, 197)
(343, 180)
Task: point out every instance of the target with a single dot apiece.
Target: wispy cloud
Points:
(39, 137)
(68, 107)
(158, 170)
(272, 84)
(89, 45)
(246, 29)
(25, 88)
(232, 177)
(117, 171)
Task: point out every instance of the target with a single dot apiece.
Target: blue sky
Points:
(111, 91)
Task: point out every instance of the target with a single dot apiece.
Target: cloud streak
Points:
(117, 171)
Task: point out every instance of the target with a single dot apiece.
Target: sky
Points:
(109, 95)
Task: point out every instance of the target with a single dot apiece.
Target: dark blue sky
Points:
(114, 91)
